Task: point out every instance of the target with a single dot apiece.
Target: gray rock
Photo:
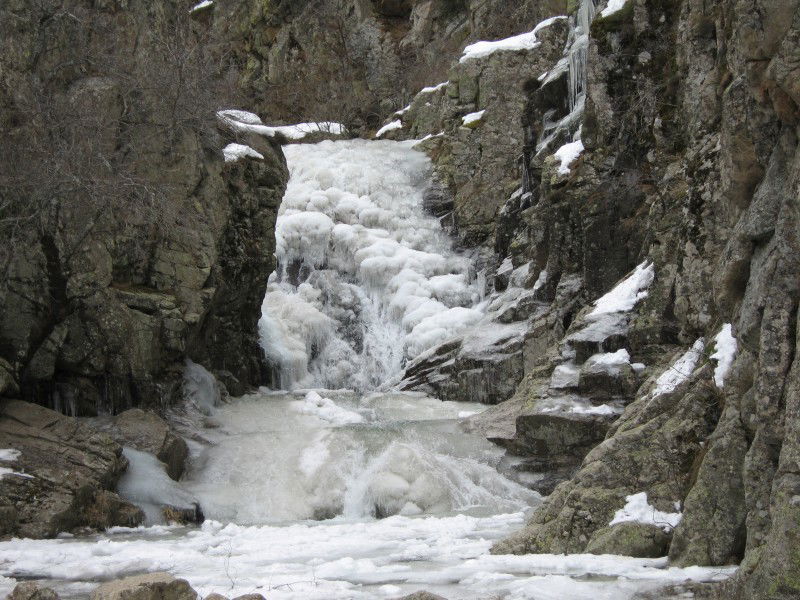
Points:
(69, 472)
(630, 539)
(152, 586)
(29, 590)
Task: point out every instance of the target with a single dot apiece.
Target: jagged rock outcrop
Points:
(63, 477)
(355, 61)
(132, 243)
(690, 132)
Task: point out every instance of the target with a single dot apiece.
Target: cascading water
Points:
(365, 279)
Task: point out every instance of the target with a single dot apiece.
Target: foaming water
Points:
(366, 279)
(319, 455)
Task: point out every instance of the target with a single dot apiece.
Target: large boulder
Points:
(152, 586)
(64, 474)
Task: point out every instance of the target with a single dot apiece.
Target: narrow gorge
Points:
(421, 299)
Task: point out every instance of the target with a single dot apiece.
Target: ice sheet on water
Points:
(326, 409)
(349, 560)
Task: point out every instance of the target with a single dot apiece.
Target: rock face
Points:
(63, 476)
(689, 164)
(355, 61)
(138, 245)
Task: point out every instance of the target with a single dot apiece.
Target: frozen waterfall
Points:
(365, 279)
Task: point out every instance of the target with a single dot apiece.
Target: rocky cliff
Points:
(688, 167)
(130, 243)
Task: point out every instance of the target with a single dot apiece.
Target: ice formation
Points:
(365, 280)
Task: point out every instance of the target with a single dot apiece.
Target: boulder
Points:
(152, 586)
(65, 475)
(642, 540)
(422, 595)
(30, 590)
(148, 432)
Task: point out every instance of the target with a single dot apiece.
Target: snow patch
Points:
(524, 41)
(568, 154)
(637, 510)
(233, 152)
(11, 455)
(679, 371)
(625, 294)
(612, 7)
(724, 353)
(388, 127)
(471, 118)
(201, 5)
(433, 88)
(244, 121)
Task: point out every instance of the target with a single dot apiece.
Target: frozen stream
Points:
(334, 494)
(277, 460)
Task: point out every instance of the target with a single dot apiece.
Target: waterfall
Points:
(366, 280)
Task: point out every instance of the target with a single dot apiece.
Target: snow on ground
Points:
(524, 41)
(568, 154)
(326, 409)
(679, 371)
(612, 7)
(398, 124)
(354, 560)
(471, 118)
(233, 152)
(724, 353)
(244, 121)
(637, 510)
(626, 293)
